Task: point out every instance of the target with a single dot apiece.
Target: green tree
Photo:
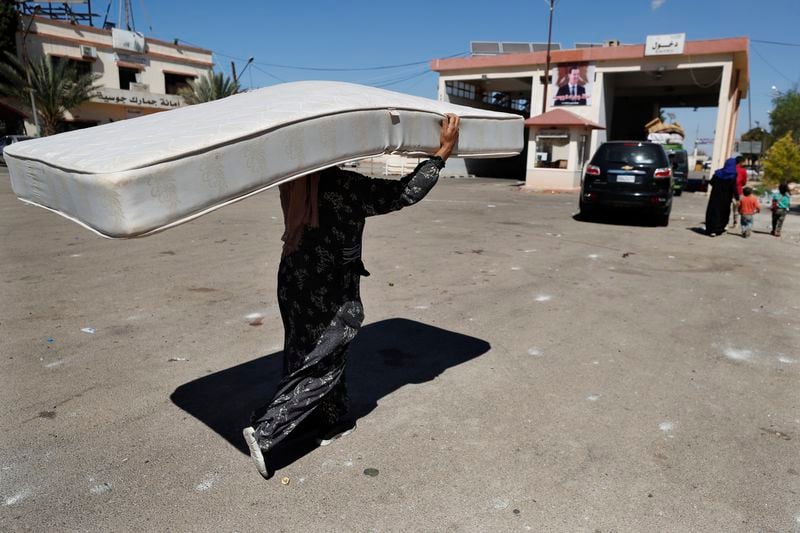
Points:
(782, 161)
(785, 114)
(9, 22)
(212, 86)
(758, 134)
(56, 87)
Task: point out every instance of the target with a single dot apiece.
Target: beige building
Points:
(138, 75)
(594, 94)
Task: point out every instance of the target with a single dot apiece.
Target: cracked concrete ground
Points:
(518, 370)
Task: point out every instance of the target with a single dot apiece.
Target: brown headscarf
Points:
(300, 209)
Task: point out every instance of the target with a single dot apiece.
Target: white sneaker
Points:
(256, 453)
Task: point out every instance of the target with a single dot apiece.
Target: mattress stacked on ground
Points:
(140, 176)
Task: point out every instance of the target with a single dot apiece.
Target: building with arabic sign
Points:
(593, 93)
(138, 76)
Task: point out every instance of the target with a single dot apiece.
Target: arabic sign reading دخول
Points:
(662, 45)
(130, 98)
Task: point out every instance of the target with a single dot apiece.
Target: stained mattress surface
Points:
(139, 176)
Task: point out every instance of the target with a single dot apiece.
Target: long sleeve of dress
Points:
(374, 196)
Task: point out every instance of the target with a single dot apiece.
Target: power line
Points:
(417, 82)
(770, 65)
(402, 79)
(385, 77)
(358, 69)
(146, 17)
(325, 69)
(268, 73)
(779, 43)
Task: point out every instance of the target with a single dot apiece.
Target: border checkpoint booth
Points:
(558, 147)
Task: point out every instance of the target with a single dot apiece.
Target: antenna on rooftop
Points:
(125, 5)
(72, 11)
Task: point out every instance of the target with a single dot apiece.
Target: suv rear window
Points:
(630, 154)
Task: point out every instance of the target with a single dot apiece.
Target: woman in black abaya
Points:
(723, 188)
(318, 292)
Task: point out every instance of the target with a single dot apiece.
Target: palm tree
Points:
(56, 87)
(212, 86)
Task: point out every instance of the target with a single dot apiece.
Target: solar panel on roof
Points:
(541, 47)
(516, 48)
(484, 48)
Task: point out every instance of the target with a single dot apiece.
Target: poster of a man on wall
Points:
(573, 86)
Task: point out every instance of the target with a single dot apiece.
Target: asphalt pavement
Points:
(519, 370)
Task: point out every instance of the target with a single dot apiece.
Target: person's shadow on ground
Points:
(383, 357)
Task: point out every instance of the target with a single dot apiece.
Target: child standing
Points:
(748, 206)
(780, 206)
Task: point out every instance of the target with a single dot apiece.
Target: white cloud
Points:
(655, 4)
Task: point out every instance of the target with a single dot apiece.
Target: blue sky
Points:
(360, 33)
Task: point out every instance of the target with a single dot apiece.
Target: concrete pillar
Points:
(442, 92)
(734, 117)
(603, 98)
(574, 140)
(721, 146)
(530, 163)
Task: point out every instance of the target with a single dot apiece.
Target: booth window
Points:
(552, 150)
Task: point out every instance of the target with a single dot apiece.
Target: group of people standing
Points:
(730, 195)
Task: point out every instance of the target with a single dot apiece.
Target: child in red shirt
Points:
(748, 206)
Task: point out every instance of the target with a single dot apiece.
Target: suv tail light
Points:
(663, 173)
(592, 170)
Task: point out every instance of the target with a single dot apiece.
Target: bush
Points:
(782, 161)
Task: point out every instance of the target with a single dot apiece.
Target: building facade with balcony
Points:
(137, 75)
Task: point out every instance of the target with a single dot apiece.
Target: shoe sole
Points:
(325, 442)
(255, 452)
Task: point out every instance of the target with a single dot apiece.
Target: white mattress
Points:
(139, 176)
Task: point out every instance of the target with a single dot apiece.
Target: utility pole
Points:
(547, 64)
(233, 70)
(749, 108)
(129, 16)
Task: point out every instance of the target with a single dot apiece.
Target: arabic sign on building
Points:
(127, 40)
(133, 98)
(662, 45)
(131, 58)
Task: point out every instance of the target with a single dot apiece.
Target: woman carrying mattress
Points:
(318, 292)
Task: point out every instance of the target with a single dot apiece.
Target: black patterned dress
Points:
(319, 298)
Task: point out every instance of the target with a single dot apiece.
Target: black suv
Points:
(628, 174)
